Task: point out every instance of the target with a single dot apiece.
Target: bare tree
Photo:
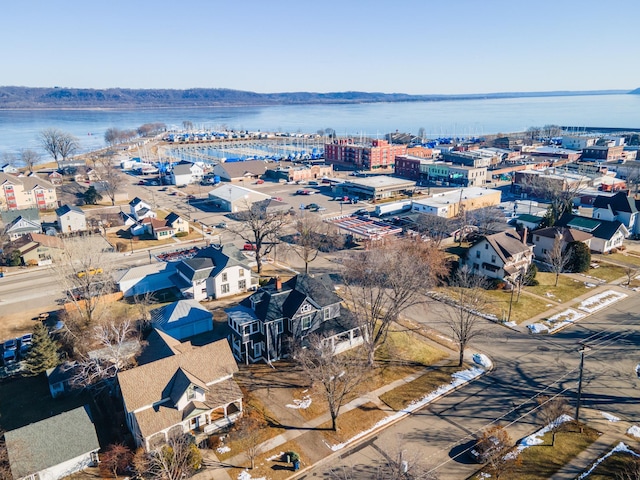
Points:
(116, 459)
(60, 145)
(558, 257)
(549, 411)
(467, 293)
(84, 273)
(337, 376)
(111, 177)
(117, 343)
(384, 281)
(260, 228)
(492, 449)
(29, 158)
(560, 192)
(179, 458)
(248, 433)
(436, 228)
(312, 236)
(631, 274)
(486, 219)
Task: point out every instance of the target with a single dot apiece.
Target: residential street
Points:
(525, 366)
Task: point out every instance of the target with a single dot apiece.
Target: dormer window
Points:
(191, 392)
(305, 308)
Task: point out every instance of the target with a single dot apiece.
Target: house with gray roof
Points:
(620, 207)
(71, 219)
(21, 226)
(234, 198)
(185, 173)
(503, 255)
(544, 240)
(182, 319)
(191, 390)
(53, 448)
(215, 272)
(607, 235)
(141, 209)
(264, 325)
(240, 171)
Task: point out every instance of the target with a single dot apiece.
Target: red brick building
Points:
(408, 167)
(378, 155)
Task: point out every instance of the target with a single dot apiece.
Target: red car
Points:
(249, 246)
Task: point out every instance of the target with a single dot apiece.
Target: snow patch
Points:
(224, 449)
(511, 324)
(277, 455)
(244, 475)
(638, 370)
(621, 447)
(557, 321)
(482, 360)
(301, 404)
(459, 378)
(634, 431)
(590, 285)
(611, 418)
(536, 438)
(538, 328)
(601, 300)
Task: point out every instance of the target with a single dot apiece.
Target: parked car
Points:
(221, 225)
(9, 356)
(249, 246)
(25, 342)
(486, 448)
(314, 183)
(141, 182)
(11, 344)
(91, 271)
(312, 206)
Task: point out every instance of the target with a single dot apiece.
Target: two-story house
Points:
(140, 209)
(503, 255)
(607, 235)
(264, 325)
(21, 223)
(215, 272)
(190, 390)
(544, 240)
(185, 173)
(71, 219)
(620, 207)
(38, 249)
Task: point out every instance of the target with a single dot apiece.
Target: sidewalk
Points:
(612, 434)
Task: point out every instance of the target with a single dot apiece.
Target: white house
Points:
(215, 272)
(53, 448)
(182, 319)
(185, 173)
(607, 235)
(234, 198)
(22, 226)
(620, 207)
(146, 278)
(71, 219)
(141, 209)
(502, 255)
(544, 240)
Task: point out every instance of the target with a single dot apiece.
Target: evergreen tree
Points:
(44, 352)
(91, 196)
(580, 257)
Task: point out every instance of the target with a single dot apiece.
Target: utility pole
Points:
(583, 349)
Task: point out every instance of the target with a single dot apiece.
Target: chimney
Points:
(278, 284)
(525, 231)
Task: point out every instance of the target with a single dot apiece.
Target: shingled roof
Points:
(620, 202)
(50, 442)
(507, 244)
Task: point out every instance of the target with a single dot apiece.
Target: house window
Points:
(280, 326)
(224, 277)
(224, 288)
(477, 253)
(191, 392)
(257, 350)
(327, 313)
(204, 290)
(306, 322)
(493, 259)
(305, 308)
(544, 251)
(241, 272)
(486, 246)
(242, 285)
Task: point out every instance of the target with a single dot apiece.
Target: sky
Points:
(399, 46)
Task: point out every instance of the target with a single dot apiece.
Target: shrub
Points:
(121, 247)
(182, 234)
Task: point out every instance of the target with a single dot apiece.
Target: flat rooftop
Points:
(453, 196)
(380, 181)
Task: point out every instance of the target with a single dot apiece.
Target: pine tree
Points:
(44, 352)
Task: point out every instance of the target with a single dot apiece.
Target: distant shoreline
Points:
(39, 99)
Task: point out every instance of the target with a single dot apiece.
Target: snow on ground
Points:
(557, 321)
(611, 418)
(601, 300)
(277, 455)
(510, 324)
(621, 447)
(459, 378)
(223, 449)
(638, 370)
(536, 438)
(244, 475)
(590, 285)
(304, 403)
(538, 328)
(634, 431)
(482, 360)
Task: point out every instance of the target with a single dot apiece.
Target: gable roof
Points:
(172, 217)
(184, 168)
(210, 261)
(568, 234)
(23, 225)
(620, 202)
(28, 182)
(272, 304)
(28, 213)
(507, 244)
(603, 229)
(64, 209)
(241, 169)
(179, 313)
(143, 386)
(38, 239)
(50, 442)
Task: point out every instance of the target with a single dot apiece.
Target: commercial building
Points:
(450, 174)
(603, 153)
(449, 204)
(378, 155)
(376, 188)
(234, 198)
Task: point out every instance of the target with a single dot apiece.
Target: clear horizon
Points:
(413, 47)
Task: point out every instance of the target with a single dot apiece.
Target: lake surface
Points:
(19, 128)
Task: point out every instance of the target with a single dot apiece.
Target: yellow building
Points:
(448, 204)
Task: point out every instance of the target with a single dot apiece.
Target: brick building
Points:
(378, 155)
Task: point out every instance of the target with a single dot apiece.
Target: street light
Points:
(583, 349)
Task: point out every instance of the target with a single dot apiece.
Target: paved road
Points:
(525, 366)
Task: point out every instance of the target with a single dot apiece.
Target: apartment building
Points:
(378, 155)
(20, 192)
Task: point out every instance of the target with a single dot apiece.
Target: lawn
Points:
(628, 258)
(607, 272)
(524, 308)
(541, 462)
(568, 288)
(614, 465)
(351, 423)
(401, 396)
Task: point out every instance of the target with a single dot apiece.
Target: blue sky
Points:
(406, 46)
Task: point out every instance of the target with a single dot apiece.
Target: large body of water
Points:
(19, 128)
